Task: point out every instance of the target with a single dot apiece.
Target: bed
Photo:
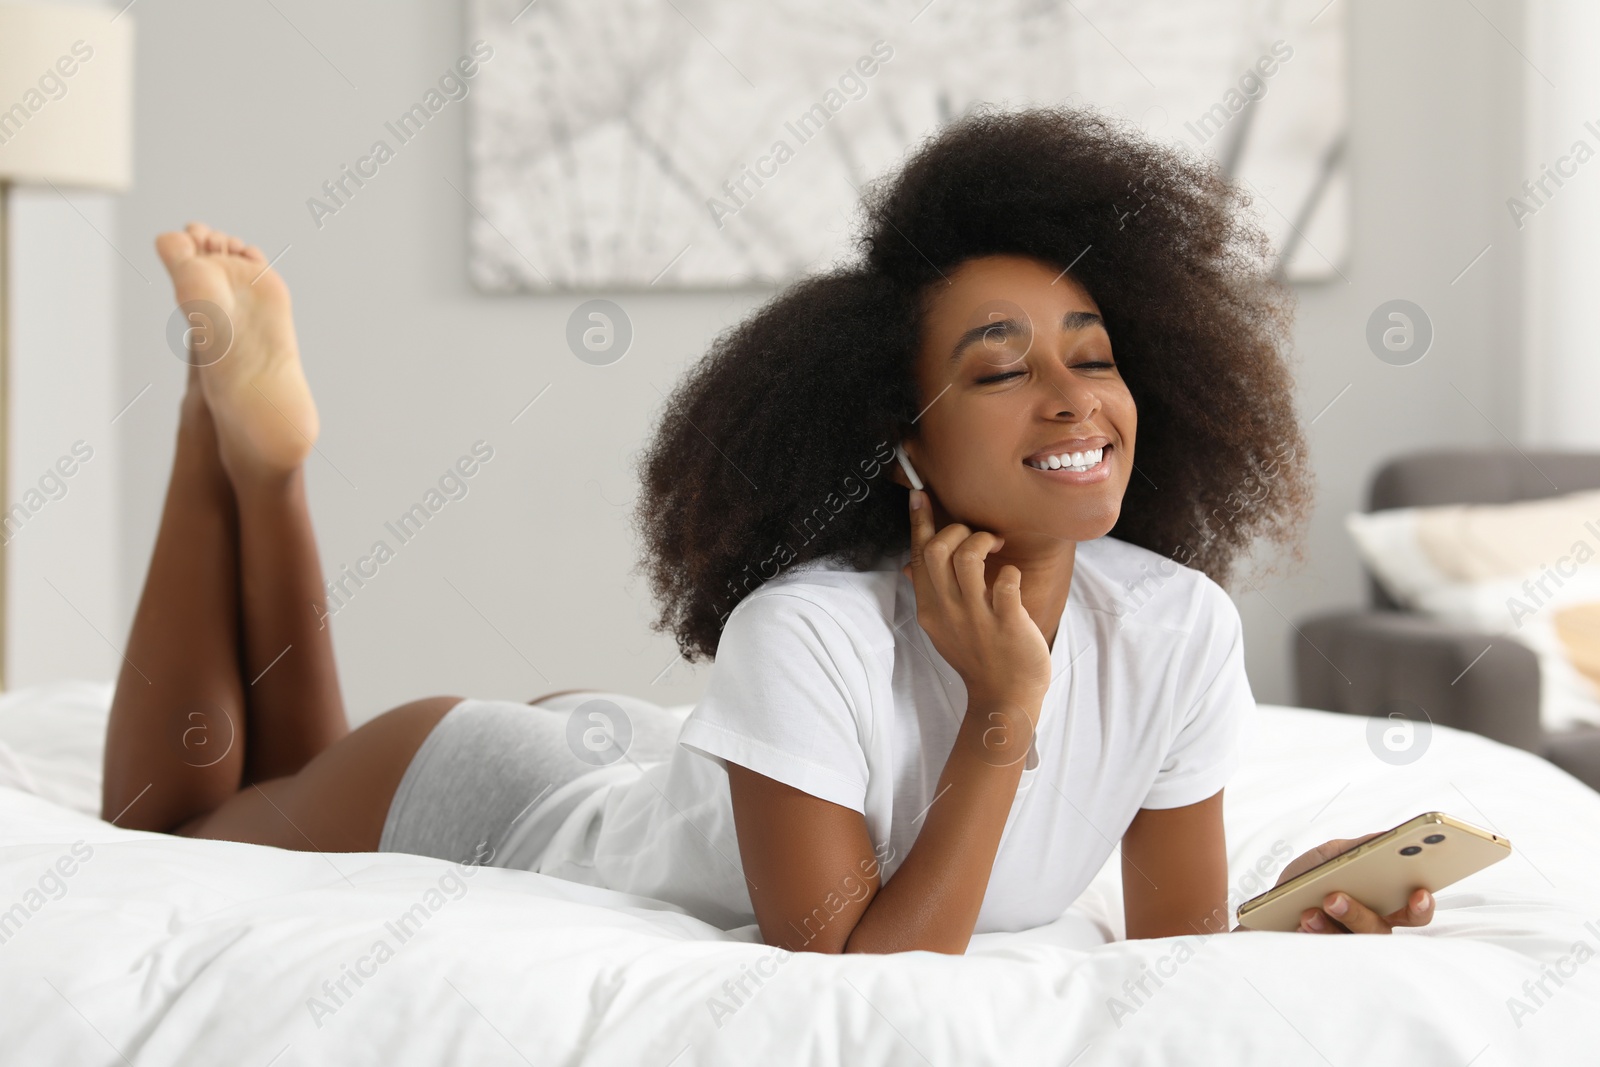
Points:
(119, 946)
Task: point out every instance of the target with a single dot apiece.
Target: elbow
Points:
(833, 940)
(883, 943)
(1170, 926)
(808, 934)
(824, 946)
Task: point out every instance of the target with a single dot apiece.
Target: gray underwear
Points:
(490, 766)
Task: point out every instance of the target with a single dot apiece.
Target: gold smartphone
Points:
(1428, 852)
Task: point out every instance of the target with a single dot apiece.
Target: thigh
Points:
(339, 800)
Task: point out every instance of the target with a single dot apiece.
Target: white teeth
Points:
(1078, 461)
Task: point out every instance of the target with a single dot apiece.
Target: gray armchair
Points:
(1393, 657)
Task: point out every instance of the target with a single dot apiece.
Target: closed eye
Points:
(1097, 364)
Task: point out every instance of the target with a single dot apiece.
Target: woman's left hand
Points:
(1343, 914)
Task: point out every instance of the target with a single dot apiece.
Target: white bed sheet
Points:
(158, 950)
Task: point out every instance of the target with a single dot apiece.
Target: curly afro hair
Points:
(769, 449)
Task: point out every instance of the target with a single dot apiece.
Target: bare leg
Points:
(229, 677)
(338, 802)
(291, 685)
(234, 583)
(174, 742)
(266, 424)
(231, 619)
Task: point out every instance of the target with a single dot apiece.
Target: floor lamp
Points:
(66, 121)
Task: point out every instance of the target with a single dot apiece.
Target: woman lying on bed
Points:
(911, 732)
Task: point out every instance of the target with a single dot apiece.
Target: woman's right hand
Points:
(988, 637)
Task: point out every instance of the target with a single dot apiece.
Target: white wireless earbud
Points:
(905, 465)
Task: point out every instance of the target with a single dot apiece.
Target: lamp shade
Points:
(66, 95)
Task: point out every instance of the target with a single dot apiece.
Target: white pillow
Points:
(52, 738)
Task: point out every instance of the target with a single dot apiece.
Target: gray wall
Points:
(1436, 116)
(527, 585)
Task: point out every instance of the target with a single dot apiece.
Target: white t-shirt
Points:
(825, 681)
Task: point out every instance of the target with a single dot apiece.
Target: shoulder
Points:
(1135, 585)
(825, 596)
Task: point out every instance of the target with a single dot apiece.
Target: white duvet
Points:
(126, 947)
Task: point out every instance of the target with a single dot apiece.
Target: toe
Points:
(235, 246)
(174, 248)
(207, 240)
(252, 252)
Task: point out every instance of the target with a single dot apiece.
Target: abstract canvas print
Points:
(636, 144)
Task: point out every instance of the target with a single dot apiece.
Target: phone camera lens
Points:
(1411, 850)
(1433, 839)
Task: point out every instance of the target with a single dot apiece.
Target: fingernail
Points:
(1427, 902)
(916, 499)
(1338, 905)
(1315, 922)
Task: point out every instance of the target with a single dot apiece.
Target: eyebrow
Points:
(1073, 320)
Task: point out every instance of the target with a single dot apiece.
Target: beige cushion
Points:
(1477, 542)
(1578, 627)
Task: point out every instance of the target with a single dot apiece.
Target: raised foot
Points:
(243, 349)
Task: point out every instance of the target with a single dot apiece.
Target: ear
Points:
(898, 472)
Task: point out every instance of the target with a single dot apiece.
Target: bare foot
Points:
(256, 391)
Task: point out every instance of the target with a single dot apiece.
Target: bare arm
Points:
(932, 902)
(1175, 871)
(815, 881)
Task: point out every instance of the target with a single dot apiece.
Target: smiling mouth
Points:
(1073, 462)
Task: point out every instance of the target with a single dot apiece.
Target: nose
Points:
(1067, 395)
